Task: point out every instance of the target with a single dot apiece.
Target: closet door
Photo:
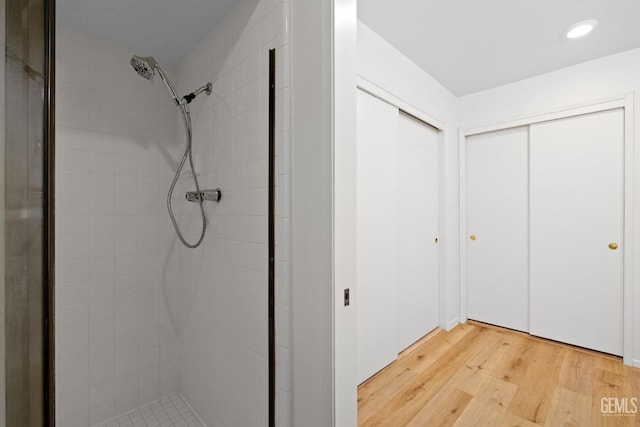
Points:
(577, 179)
(376, 235)
(417, 221)
(497, 222)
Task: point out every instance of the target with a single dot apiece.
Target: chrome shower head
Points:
(147, 67)
(144, 65)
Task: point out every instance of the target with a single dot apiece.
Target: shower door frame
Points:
(49, 214)
(29, 329)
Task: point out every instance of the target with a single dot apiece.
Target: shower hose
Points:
(186, 115)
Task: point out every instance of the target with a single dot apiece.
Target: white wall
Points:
(312, 204)
(592, 81)
(344, 22)
(116, 147)
(383, 65)
(220, 303)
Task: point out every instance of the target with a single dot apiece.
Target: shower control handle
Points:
(205, 195)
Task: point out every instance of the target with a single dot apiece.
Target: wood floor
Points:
(476, 375)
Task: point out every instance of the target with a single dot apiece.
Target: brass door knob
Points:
(613, 246)
(472, 237)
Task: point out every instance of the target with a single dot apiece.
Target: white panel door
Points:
(577, 179)
(376, 235)
(497, 221)
(417, 222)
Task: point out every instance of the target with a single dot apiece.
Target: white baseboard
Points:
(452, 324)
(635, 363)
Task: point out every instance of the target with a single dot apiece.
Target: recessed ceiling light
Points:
(581, 29)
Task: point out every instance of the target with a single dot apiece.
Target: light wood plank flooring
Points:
(478, 375)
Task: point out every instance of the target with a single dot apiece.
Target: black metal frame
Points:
(49, 218)
(272, 242)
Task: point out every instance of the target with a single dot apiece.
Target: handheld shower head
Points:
(145, 66)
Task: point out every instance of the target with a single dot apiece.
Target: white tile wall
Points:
(138, 315)
(223, 369)
(116, 148)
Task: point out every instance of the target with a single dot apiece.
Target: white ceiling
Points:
(165, 29)
(472, 45)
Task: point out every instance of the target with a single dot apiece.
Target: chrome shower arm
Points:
(191, 96)
(206, 88)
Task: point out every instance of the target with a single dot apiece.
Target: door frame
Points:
(624, 101)
(373, 89)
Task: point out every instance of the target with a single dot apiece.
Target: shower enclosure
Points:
(117, 310)
(162, 307)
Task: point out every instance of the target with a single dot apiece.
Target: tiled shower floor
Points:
(170, 411)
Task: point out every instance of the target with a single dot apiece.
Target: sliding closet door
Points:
(576, 230)
(417, 230)
(376, 234)
(497, 221)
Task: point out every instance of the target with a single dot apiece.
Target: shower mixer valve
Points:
(205, 195)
